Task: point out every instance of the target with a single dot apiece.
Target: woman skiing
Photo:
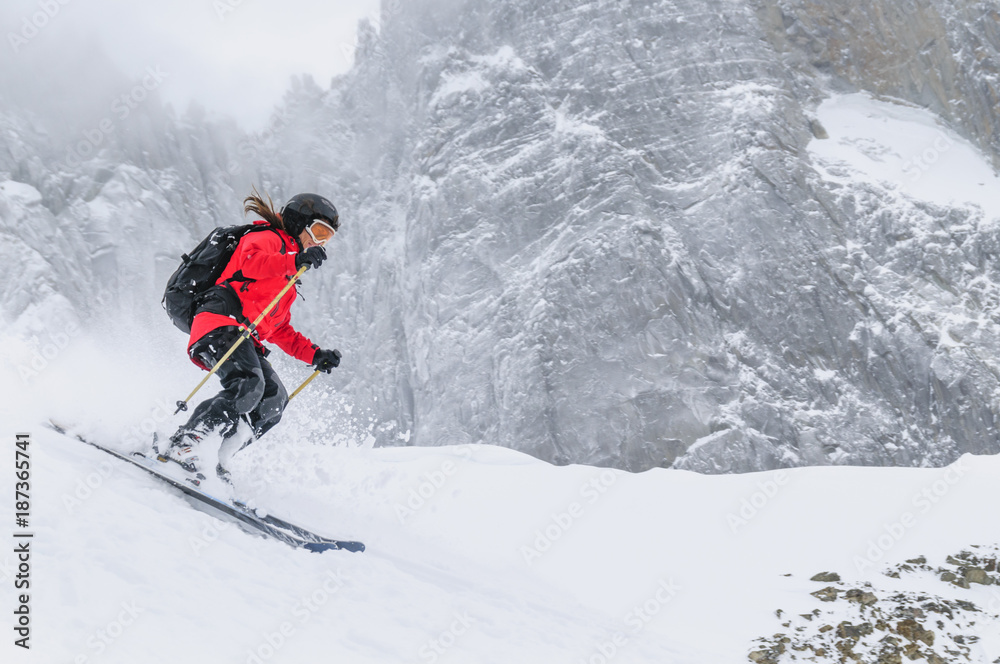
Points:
(261, 266)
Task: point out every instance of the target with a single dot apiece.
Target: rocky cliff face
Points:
(594, 231)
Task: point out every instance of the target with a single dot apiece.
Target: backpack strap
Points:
(234, 306)
(238, 275)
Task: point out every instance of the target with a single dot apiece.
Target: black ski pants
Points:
(250, 388)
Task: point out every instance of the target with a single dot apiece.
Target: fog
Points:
(69, 60)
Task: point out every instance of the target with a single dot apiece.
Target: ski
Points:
(235, 511)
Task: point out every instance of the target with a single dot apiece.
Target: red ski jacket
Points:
(266, 260)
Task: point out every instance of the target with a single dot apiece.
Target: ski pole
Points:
(182, 405)
(307, 381)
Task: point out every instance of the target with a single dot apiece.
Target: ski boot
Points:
(181, 452)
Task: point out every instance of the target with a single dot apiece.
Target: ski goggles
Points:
(320, 231)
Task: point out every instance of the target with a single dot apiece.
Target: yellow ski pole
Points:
(307, 381)
(247, 331)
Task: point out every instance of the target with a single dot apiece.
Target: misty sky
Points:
(234, 56)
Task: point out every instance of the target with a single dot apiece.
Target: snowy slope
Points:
(902, 147)
(508, 559)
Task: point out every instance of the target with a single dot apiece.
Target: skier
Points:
(260, 267)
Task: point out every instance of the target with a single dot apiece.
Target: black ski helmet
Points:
(302, 209)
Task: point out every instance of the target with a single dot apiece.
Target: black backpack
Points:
(199, 271)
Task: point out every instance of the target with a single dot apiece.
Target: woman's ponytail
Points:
(255, 203)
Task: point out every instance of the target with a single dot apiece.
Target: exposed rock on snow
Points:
(893, 626)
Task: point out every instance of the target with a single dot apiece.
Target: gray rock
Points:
(862, 597)
(977, 575)
(846, 630)
(828, 594)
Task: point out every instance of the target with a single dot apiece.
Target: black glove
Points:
(326, 360)
(313, 257)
